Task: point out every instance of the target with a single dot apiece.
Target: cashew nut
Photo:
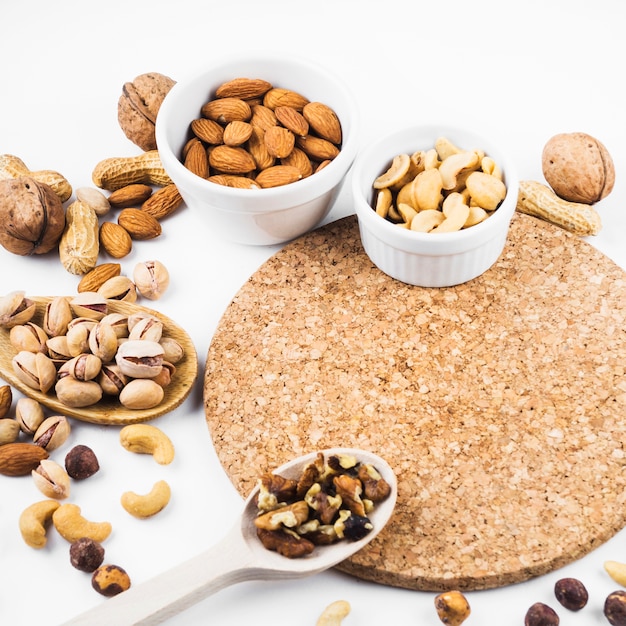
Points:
(427, 188)
(383, 201)
(71, 525)
(452, 168)
(617, 571)
(425, 221)
(148, 439)
(143, 506)
(445, 148)
(487, 191)
(334, 613)
(407, 212)
(456, 213)
(396, 172)
(34, 521)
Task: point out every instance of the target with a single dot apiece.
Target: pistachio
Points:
(95, 199)
(57, 316)
(118, 322)
(9, 430)
(90, 305)
(164, 377)
(6, 398)
(29, 337)
(52, 432)
(82, 367)
(77, 393)
(35, 370)
(139, 358)
(147, 328)
(135, 318)
(29, 415)
(173, 351)
(119, 288)
(15, 309)
(151, 279)
(52, 480)
(78, 339)
(111, 379)
(103, 341)
(58, 348)
(141, 393)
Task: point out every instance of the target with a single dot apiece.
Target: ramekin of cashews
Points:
(434, 204)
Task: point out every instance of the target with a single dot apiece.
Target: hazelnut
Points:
(32, 217)
(81, 462)
(540, 614)
(109, 580)
(138, 106)
(571, 593)
(86, 554)
(615, 608)
(578, 167)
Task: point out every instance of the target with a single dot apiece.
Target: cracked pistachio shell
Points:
(111, 379)
(140, 358)
(52, 432)
(58, 348)
(119, 288)
(147, 328)
(29, 337)
(151, 279)
(78, 339)
(141, 393)
(9, 430)
(103, 342)
(119, 323)
(89, 304)
(35, 370)
(85, 366)
(16, 309)
(173, 351)
(52, 480)
(57, 316)
(135, 318)
(77, 393)
(29, 415)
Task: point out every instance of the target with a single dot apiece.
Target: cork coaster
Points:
(500, 403)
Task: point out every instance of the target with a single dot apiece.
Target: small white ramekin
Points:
(426, 259)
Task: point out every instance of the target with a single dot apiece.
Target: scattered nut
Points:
(540, 614)
(52, 480)
(94, 279)
(52, 432)
(34, 521)
(148, 439)
(334, 613)
(452, 607)
(617, 571)
(95, 199)
(615, 608)
(110, 580)
(81, 462)
(29, 414)
(571, 593)
(147, 505)
(86, 554)
(72, 526)
(20, 458)
(9, 430)
(151, 279)
(79, 246)
(6, 399)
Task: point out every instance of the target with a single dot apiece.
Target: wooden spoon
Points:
(109, 410)
(238, 557)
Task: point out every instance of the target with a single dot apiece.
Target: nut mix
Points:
(252, 134)
(329, 502)
(440, 190)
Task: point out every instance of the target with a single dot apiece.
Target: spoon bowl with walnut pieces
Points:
(239, 556)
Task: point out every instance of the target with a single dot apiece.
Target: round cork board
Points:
(500, 403)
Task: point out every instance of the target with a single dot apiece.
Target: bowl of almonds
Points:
(434, 204)
(259, 146)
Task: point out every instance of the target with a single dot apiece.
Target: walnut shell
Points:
(32, 217)
(578, 167)
(138, 106)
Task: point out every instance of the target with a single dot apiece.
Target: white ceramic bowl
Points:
(426, 259)
(257, 216)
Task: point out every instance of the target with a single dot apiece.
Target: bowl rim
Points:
(269, 199)
(380, 151)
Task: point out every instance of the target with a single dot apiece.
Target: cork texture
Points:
(499, 403)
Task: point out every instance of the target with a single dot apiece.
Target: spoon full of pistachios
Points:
(305, 517)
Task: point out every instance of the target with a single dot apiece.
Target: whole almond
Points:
(244, 88)
(6, 399)
(279, 141)
(317, 148)
(139, 224)
(278, 175)
(115, 240)
(130, 196)
(208, 130)
(231, 160)
(237, 133)
(196, 159)
(298, 158)
(263, 117)
(293, 120)
(20, 459)
(258, 149)
(226, 110)
(93, 280)
(163, 202)
(324, 121)
(278, 97)
(232, 180)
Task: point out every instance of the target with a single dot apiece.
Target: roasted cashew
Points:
(383, 201)
(617, 571)
(397, 171)
(425, 221)
(148, 439)
(456, 213)
(71, 525)
(445, 148)
(147, 505)
(427, 188)
(489, 166)
(334, 613)
(407, 212)
(454, 166)
(34, 521)
(486, 191)
(476, 215)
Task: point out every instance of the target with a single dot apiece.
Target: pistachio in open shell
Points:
(32, 217)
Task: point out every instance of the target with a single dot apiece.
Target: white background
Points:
(519, 72)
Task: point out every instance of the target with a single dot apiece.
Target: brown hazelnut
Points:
(615, 608)
(540, 614)
(571, 593)
(138, 106)
(109, 580)
(32, 217)
(578, 167)
(86, 554)
(81, 462)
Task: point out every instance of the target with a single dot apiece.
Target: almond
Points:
(258, 149)
(279, 141)
(20, 459)
(263, 117)
(244, 88)
(237, 133)
(293, 120)
(130, 195)
(115, 240)
(231, 160)
(299, 159)
(163, 202)
(226, 110)
(317, 148)
(278, 175)
(324, 121)
(139, 224)
(278, 97)
(93, 280)
(196, 158)
(232, 180)
(208, 130)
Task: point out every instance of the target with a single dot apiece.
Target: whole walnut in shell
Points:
(138, 106)
(578, 167)
(32, 217)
